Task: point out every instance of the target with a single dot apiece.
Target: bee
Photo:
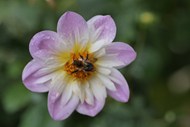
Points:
(83, 65)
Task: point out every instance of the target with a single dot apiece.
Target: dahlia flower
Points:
(78, 65)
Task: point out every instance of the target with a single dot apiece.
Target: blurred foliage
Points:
(159, 79)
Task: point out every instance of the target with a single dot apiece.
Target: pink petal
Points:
(122, 89)
(43, 44)
(29, 79)
(102, 28)
(59, 111)
(91, 110)
(73, 28)
(125, 53)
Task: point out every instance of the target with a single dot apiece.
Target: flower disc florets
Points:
(81, 65)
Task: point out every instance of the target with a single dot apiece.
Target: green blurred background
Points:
(159, 79)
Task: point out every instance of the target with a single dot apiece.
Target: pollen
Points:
(80, 65)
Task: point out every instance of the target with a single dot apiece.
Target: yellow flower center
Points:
(81, 65)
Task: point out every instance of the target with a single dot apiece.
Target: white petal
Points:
(57, 110)
(94, 34)
(100, 53)
(58, 83)
(89, 98)
(96, 46)
(79, 90)
(82, 96)
(115, 80)
(56, 87)
(73, 28)
(104, 70)
(109, 61)
(43, 79)
(102, 27)
(98, 89)
(67, 93)
(107, 82)
(62, 47)
(44, 71)
(53, 62)
(125, 53)
(75, 86)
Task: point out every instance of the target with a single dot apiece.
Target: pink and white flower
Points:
(78, 65)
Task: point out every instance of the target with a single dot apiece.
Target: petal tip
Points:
(88, 112)
(108, 16)
(134, 56)
(54, 117)
(125, 99)
(57, 116)
(91, 110)
(68, 13)
(93, 114)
